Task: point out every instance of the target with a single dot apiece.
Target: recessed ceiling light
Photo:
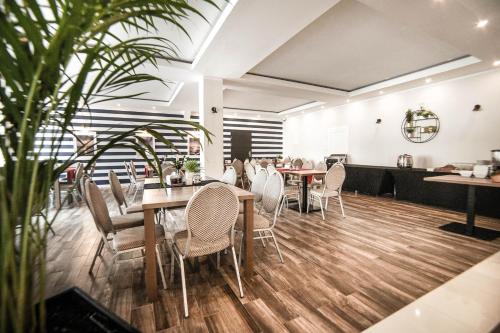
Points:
(380, 92)
(428, 80)
(347, 100)
(496, 63)
(258, 116)
(154, 107)
(481, 23)
(302, 112)
(322, 106)
(118, 104)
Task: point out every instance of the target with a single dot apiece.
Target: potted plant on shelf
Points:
(191, 167)
(61, 57)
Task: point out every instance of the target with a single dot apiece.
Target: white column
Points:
(212, 155)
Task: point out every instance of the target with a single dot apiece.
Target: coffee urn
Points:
(405, 161)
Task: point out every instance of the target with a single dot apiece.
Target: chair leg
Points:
(281, 206)
(341, 205)
(218, 260)
(160, 266)
(241, 247)
(277, 247)
(326, 203)
(135, 193)
(237, 269)
(97, 253)
(172, 268)
(321, 206)
(183, 280)
(262, 239)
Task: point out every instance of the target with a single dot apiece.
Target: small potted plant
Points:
(191, 167)
(410, 131)
(409, 117)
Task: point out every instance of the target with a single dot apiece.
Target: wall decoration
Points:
(194, 145)
(83, 142)
(150, 140)
(420, 125)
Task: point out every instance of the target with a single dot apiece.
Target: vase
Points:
(188, 176)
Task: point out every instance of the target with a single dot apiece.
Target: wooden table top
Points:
(304, 172)
(455, 179)
(177, 196)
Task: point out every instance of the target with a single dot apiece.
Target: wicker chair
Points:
(295, 180)
(230, 176)
(271, 199)
(270, 168)
(210, 217)
(137, 180)
(118, 222)
(238, 167)
(116, 189)
(318, 180)
(264, 163)
(124, 241)
(334, 179)
(250, 173)
(253, 162)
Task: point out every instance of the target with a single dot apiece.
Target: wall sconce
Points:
(379, 121)
(477, 107)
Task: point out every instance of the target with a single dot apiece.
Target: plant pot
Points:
(75, 311)
(188, 177)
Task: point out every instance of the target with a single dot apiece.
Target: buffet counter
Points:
(409, 185)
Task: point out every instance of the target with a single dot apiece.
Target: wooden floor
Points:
(339, 274)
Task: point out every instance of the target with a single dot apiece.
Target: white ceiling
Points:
(351, 46)
(245, 100)
(343, 44)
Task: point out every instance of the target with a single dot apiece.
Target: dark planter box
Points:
(75, 311)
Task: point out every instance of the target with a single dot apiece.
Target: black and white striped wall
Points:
(108, 122)
(267, 138)
(267, 134)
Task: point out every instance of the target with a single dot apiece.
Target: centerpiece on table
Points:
(191, 167)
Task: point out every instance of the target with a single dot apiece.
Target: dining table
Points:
(303, 174)
(472, 183)
(166, 196)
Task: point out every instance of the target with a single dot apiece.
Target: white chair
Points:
(253, 162)
(258, 184)
(250, 173)
(210, 217)
(334, 179)
(230, 176)
(318, 180)
(270, 168)
(271, 199)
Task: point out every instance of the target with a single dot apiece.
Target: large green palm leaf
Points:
(40, 95)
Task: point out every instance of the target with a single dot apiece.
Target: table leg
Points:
(150, 246)
(248, 222)
(304, 194)
(471, 209)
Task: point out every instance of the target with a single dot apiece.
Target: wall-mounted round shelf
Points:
(420, 126)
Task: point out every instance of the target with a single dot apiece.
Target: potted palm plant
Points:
(56, 58)
(191, 167)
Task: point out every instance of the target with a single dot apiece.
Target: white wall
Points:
(464, 136)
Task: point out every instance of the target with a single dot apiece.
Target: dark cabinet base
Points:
(409, 185)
